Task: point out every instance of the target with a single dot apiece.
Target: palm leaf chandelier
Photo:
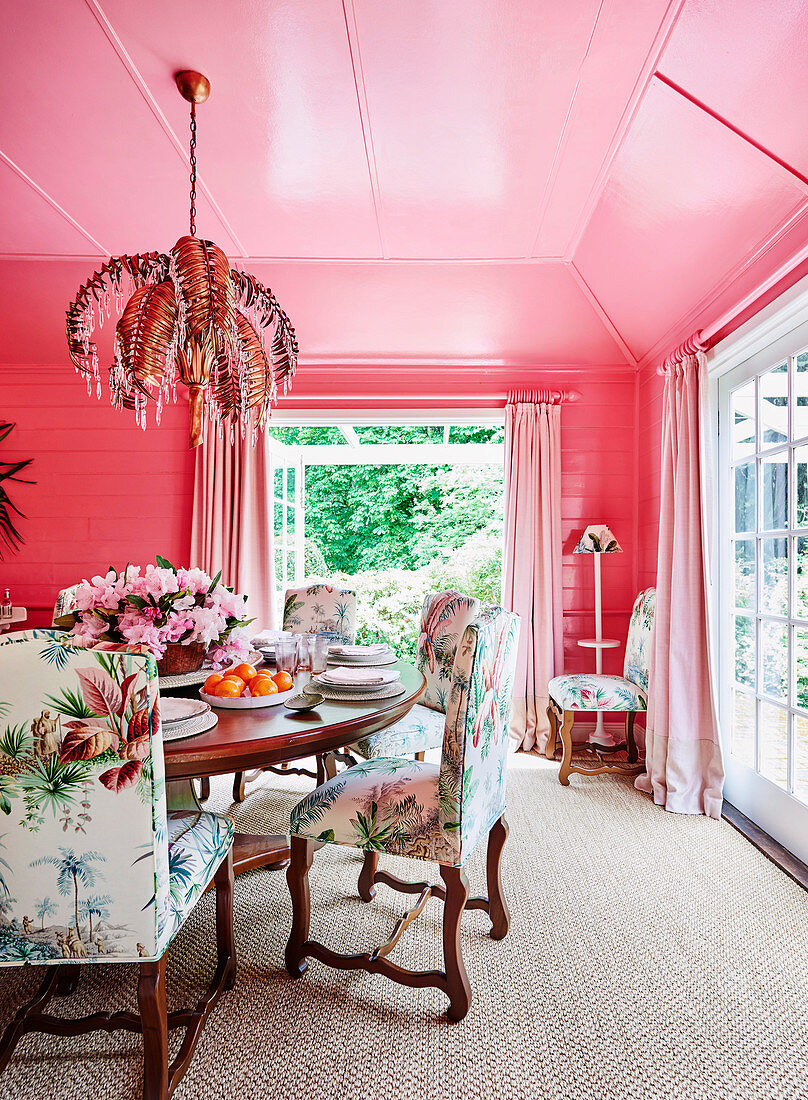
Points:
(191, 318)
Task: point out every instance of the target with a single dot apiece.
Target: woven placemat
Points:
(185, 679)
(179, 730)
(358, 695)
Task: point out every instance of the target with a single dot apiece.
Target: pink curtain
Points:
(233, 520)
(532, 567)
(685, 771)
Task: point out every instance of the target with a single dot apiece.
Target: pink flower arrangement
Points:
(163, 604)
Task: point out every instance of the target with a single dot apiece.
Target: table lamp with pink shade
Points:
(597, 539)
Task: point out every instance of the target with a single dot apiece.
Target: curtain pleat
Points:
(233, 521)
(532, 567)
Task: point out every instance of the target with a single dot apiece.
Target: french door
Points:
(287, 478)
(763, 570)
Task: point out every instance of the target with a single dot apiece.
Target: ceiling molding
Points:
(603, 316)
(43, 194)
(432, 261)
(137, 79)
(352, 32)
(624, 125)
(792, 173)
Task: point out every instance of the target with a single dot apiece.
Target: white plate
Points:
(174, 709)
(248, 702)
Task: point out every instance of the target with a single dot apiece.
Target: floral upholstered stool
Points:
(627, 693)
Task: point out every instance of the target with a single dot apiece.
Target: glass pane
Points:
(744, 579)
(290, 520)
(278, 481)
(799, 415)
(801, 486)
(745, 650)
(745, 497)
(290, 482)
(774, 589)
(774, 660)
(774, 406)
(278, 519)
(801, 758)
(773, 737)
(774, 473)
(290, 566)
(799, 656)
(743, 729)
(743, 421)
(801, 566)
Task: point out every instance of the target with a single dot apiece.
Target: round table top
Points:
(246, 739)
(599, 643)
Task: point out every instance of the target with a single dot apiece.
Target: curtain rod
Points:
(690, 346)
(546, 397)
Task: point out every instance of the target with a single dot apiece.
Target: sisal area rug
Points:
(650, 956)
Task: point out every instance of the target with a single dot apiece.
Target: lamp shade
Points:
(598, 539)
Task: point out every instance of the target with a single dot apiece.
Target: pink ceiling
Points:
(519, 182)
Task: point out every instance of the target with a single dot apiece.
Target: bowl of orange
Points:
(246, 688)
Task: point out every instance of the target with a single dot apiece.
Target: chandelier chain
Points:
(193, 169)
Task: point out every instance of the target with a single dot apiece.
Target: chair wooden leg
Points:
(420, 756)
(367, 890)
(550, 747)
(566, 740)
(151, 996)
(457, 980)
(321, 776)
(297, 876)
(239, 787)
(223, 881)
(497, 906)
(20, 1024)
(68, 980)
(204, 788)
(330, 765)
(631, 744)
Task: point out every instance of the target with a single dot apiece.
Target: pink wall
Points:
(649, 420)
(108, 493)
(105, 493)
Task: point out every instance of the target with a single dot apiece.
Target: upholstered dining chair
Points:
(444, 617)
(320, 607)
(431, 812)
(584, 692)
(65, 603)
(92, 868)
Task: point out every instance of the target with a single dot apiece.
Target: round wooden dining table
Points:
(245, 739)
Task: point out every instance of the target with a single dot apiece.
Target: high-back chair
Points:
(584, 691)
(92, 868)
(65, 603)
(437, 813)
(320, 607)
(444, 617)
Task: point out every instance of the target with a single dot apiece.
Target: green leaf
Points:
(215, 581)
(164, 563)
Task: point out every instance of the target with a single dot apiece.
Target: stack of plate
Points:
(361, 656)
(358, 684)
(184, 717)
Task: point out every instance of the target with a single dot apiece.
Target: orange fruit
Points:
(235, 679)
(229, 689)
(244, 671)
(283, 681)
(263, 685)
(211, 682)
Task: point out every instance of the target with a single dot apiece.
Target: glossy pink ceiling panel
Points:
(685, 204)
(495, 312)
(747, 62)
(280, 139)
(29, 224)
(75, 122)
(466, 104)
(623, 40)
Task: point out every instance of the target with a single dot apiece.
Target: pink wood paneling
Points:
(105, 493)
(650, 440)
(685, 203)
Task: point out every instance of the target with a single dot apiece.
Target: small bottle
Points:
(6, 609)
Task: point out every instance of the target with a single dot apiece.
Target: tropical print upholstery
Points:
(318, 608)
(86, 873)
(585, 692)
(65, 602)
(615, 693)
(444, 617)
(427, 811)
(422, 729)
(638, 644)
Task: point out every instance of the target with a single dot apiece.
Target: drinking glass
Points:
(319, 652)
(286, 654)
(303, 658)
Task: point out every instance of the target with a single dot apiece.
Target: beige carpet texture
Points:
(650, 956)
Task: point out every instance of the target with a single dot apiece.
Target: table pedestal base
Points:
(250, 850)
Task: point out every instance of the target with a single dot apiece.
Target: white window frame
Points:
(776, 335)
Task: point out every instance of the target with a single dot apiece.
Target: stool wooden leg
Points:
(566, 740)
(550, 747)
(631, 744)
